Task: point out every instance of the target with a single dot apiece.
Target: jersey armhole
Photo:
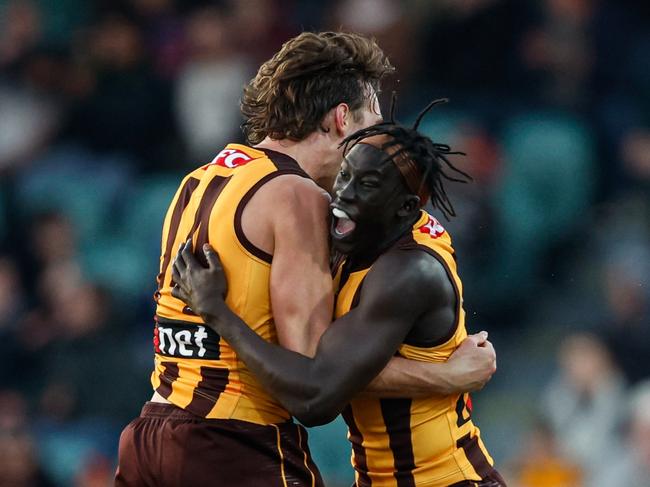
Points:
(239, 230)
(457, 308)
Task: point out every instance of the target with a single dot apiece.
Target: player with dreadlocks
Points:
(408, 145)
(399, 293)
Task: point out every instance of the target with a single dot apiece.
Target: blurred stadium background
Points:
(104, 104)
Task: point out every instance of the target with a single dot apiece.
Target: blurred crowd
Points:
(105, 104)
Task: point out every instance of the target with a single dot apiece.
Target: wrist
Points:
(222, 320)
(210, 316)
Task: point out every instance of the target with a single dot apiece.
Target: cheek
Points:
(375, 214)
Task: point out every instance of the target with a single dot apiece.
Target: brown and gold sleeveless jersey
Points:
(194, 368)
(409, 442)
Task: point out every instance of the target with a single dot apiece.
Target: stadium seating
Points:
(545, 187)
(85, 188)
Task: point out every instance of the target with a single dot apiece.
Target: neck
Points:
(364, 258)
(306, 153)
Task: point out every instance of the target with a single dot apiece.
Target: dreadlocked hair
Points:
(431, 158)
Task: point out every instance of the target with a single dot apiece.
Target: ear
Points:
(341, 119)
(410, 206)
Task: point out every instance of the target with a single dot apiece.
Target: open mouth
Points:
(343, 225)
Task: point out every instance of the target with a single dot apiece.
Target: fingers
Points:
(214, 263)
(178, 293)
(179, 262)
(479, 338)
(490, 348)
(188, 254)
(487, 345)
(487, 350)
(177, 274)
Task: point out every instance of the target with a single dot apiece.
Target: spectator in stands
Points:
(631, 465)
(211, 82)
(541, 464)
(627, 296)
(583, 403)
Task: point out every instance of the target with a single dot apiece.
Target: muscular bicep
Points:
(301, 284)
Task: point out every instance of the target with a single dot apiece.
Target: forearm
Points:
(410, 378)
(314, 390)
(283, 373)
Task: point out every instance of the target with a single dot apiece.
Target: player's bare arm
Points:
(287, 218)
(352, 350)
(468, 369)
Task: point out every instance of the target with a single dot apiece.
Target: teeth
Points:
(340, 214)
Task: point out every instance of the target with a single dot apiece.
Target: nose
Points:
(345, 191)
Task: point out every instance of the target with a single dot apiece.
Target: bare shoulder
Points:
(288, 208)
(293, 193)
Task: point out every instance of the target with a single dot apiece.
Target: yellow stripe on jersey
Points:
(304, 452)
(278, 436)
(194, 368)
(423, 442)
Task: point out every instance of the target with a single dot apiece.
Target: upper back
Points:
(208, 208)
(194, 368)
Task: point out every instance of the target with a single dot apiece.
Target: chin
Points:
(349, 244)
(345, 248)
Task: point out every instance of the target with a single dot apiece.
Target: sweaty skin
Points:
(419, 301)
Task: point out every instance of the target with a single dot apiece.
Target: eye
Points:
(344, 174)
(370, 184)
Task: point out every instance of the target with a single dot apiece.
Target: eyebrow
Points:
(372, 172)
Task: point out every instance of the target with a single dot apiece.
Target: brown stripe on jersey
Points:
(167, 377)
(345, 275)
(239, 231)
(181, 203)
(206, 393)
(285, 163)
(356, 438)
(397, 418)
(202, 217)
(336, 260)
(408, 243)
(475, 455)
(357, 295)
(461, 405)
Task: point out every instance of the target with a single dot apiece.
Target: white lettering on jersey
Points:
(230, 158)
(184, 338)
(188, 344)
(199, 335)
